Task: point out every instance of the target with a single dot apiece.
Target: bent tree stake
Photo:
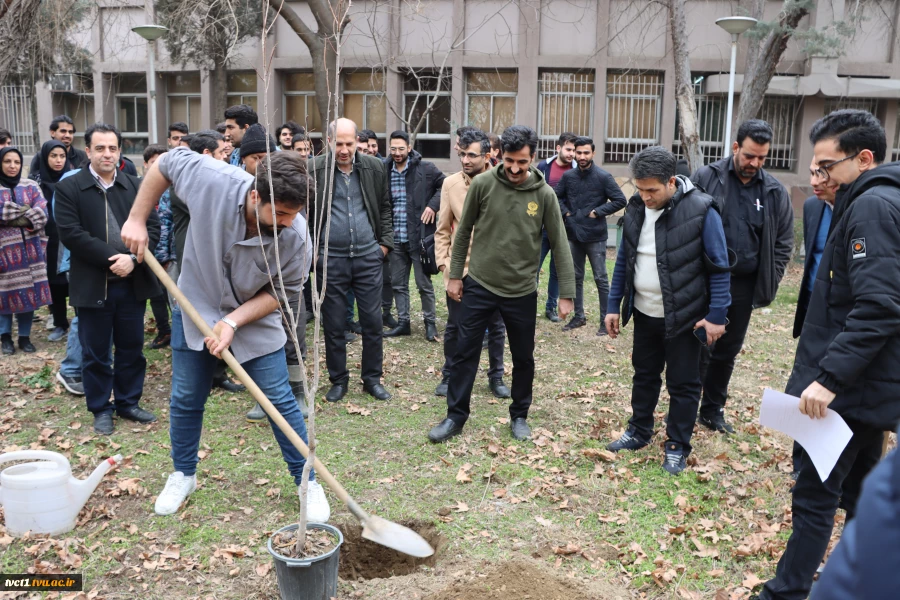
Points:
(381, 531)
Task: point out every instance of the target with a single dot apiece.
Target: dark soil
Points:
(521, 580)
(362, 559)
(318, 543)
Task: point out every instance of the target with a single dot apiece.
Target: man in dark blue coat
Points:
(849, 348)
(587, 195)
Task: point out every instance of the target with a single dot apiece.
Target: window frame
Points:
(547, 142)
(492, 95)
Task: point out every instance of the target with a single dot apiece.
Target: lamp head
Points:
(736, 25)
(150, 32)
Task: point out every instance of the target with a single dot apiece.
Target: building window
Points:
(633, 114)
(781, 113)
(566, 104)
(183, 100)
(711, 113)
(491, 99)
(132, 115)
(365, 104)
(867, 104)
(16, 109)
(419, 91)
(242, 89)
(300, 102)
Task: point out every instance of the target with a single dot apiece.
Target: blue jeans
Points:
(192, 374)
(71, 364)
(553, 284)
(24, 320)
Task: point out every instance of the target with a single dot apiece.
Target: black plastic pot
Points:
(308, 578)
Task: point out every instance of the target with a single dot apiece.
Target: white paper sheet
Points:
(823, 439)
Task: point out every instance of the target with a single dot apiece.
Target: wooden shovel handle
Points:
(322, 472)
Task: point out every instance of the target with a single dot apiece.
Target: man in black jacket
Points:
(106, 284)
(849, 348)
(62, 128)
(587, 195)
(359, 236)
(759, 228)
(416, 199)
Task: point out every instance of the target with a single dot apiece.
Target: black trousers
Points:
(814, 505)
(716, 366)
(680, 357)
(477, 309)
(58, 294)
(160, 307)
(121, 321)
(852, 487)
(298, 307)
(362, 274)
(496, 336)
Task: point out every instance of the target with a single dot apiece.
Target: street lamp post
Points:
(151, 33)
(735, 26)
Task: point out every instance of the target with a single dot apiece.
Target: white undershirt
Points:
(647, 290)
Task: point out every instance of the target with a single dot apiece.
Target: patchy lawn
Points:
(606, 526)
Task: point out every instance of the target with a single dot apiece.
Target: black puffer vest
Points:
(679, 257)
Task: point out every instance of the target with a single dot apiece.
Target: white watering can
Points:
(43, 497)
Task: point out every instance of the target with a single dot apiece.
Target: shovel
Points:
(381, 531)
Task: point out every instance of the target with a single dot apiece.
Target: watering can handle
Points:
(36, 455)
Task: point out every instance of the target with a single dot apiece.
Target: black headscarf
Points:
(48, 177)
(5, 180)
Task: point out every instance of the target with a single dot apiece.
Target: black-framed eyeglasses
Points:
(469, 155)
(823, 171)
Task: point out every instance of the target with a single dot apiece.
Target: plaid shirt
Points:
(398, 196)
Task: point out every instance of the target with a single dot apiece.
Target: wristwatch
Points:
(230, 323)
(134, 259)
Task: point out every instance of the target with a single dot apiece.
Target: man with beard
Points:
(475, 146)
(759, 228)
(587, 195)
(62, 129)
(231, 276)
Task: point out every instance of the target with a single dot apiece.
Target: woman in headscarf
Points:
(53, 165)
(23, 269)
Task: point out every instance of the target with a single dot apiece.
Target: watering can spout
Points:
(81, 489)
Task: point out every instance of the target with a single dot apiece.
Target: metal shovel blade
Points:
(396, 536)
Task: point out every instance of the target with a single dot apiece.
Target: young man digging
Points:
(224, 275)
(669, 276)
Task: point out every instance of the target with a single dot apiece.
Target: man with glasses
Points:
(759, 228)
(849, 348)
(475, 148)
(416, 199)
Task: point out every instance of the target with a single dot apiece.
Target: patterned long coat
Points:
(23, 263)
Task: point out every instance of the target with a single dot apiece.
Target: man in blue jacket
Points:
(587, 195)
(671, 273)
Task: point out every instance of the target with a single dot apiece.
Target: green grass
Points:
(553, 495)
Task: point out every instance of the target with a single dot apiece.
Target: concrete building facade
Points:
(597, 67)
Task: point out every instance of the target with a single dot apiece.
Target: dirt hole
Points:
(361, 558)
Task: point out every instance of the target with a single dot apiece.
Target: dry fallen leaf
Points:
(543, 521)
(751, 580)
(461, 507)
(263, 569)
(353, 409)
(463, 475)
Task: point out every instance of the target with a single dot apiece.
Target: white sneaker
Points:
(317, 508)
(178, 488)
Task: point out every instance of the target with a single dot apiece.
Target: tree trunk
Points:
(760, 71)
(324, 60)
(688, 129)
(219, 76)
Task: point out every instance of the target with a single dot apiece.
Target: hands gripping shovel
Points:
(376, 529)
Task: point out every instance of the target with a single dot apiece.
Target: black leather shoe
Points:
(498, 388)
(136, 413)
(552, 315)
(103, 423)
(229, 386)
(377, 391)
(441, 389)
(7, 344)
(626, 442)
(602, 331)
(443, 431)
(430, 332)
(520, 429)
(388, 320)
(574, 323)
(337, 392)
(715, 422)
(350, 337)
(25, 345)
(355, 327)
(161, 341)
(402, 328)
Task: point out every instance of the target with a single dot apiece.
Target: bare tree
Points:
(209, 33)
(17, 19)
(684, 87)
